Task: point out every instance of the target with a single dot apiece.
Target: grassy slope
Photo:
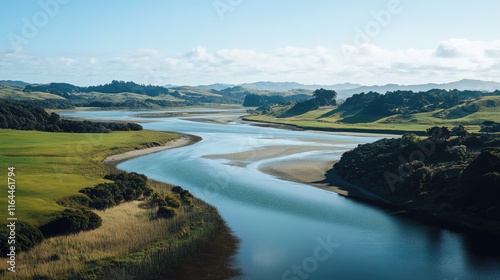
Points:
(52, 165)
(17, 94)
(336, 120)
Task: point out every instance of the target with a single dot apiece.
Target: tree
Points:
(459, 131)
(438, 134)
(166, 212)
(325, 97)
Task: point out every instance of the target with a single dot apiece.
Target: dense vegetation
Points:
(454, 175)
(256, 100)
(18, 115)
(65, 90)
(320, 97)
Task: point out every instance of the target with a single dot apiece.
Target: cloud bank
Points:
(449, 60)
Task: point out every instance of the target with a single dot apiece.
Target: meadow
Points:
(52, 165)
(131, 242)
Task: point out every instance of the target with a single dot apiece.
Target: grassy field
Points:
(471, 116)
(131, 242)
(17, 94)
(52, 165)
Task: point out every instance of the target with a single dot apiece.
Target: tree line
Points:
(22, 116)
(409, 102)
(64, 89)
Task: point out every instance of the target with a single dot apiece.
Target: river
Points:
(294, 231)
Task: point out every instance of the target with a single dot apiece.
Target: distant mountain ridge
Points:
(346, 90)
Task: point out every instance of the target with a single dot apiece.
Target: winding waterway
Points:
(295, 231)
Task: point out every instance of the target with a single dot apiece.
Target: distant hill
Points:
(465, 84)
(346, 90)
(10, 83)
(284, 86)
(216, 86)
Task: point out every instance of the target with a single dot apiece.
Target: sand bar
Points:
(176, 143)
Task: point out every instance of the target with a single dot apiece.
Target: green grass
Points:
(336, 120)
(52, 165)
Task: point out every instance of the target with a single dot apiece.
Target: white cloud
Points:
(449, 60)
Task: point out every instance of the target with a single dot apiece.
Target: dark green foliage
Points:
(490, 126)
(358, 101)
(303, 107)
(172, 201)
(185, 195)
(409, 102)
(166, 212)
(126, 187)
(177, 189)
(459, 131)
(63, 89)
(325, 97)
(158, 200)
(27, 236)
(438, 134)
(51, 103)
(439, 174)
(17, 115)
(481, 183)
(71, 221)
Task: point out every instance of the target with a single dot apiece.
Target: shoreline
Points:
(184, 140)
(220, 249)
(356, 131)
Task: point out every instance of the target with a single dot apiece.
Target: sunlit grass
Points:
(52, 165)
(331, 119)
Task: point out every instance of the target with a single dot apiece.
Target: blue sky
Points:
(234, 41)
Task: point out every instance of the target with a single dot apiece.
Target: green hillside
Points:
(471, 114)
(16, 93)
(52, 165)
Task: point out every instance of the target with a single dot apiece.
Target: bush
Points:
(77, 200)
(166, 212)
(158, 200)
(71, 221)
(172, 201)
(27, 236)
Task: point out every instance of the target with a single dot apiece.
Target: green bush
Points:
(71, 221)
(166, 212)
(27, 236)
(77, 200)
(172, 201)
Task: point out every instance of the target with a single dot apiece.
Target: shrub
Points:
(158, 200)
(71, 221)
(166, 212)
(27, 236)
(172, 201)
(77, 200)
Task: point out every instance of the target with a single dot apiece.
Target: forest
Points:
(453, 174)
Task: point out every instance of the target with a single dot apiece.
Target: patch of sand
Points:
(180, 142)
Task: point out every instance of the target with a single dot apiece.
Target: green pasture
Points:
(52, 165)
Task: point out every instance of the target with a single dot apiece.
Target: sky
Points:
(195, 42)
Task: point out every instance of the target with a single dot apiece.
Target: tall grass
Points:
(129, 240)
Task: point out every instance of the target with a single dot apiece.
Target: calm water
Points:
(295, 231)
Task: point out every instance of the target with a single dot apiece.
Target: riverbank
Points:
(129, 242)
(182, 141)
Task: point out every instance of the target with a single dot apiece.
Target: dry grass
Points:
(126, 229)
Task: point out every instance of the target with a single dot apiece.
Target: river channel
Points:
(295, 231)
